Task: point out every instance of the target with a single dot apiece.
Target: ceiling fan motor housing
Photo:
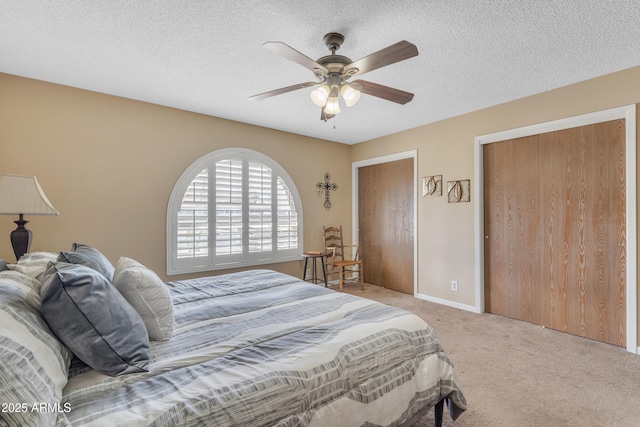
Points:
(335, 63)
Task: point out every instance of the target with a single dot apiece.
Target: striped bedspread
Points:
(261, 348)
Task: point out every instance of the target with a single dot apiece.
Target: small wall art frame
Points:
(432, 186)
(459, 191)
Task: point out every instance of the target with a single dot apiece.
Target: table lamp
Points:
(22, 195)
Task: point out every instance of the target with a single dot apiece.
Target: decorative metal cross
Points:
(326, 186)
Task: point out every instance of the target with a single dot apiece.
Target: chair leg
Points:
(341, 278)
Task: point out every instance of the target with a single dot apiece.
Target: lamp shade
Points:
(349, 94)
(23, 195)
(333, 106)
(320, 95)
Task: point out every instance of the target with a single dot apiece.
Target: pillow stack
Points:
(105, 315)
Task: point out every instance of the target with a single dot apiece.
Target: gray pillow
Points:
(89, 256)
(94, 320)
(3, 265)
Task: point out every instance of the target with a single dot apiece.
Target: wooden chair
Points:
(338, 262)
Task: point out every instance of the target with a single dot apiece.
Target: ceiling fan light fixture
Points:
(320, 95)
(333, 106)
(333, 71)
(349, 94)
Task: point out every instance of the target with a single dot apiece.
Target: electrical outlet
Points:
(454, 285)
(308, 273)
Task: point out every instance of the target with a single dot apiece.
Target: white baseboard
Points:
(448, 303)
(473, 309)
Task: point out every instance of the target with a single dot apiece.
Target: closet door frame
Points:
(628, 113)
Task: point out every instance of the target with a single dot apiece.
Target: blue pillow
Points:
(93, 319)
(89, 256)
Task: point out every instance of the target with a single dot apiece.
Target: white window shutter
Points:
(193, 219)
(233, 208)
(228, 207)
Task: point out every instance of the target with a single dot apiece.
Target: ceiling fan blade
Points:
(291, 54)
(282, 90)
(387, 56)
(384, 92)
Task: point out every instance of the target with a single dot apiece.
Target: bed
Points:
(256, 348)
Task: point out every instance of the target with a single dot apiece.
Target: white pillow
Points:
(33, 264)
(34, 364)
(148, 294)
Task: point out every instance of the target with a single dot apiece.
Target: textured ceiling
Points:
(207, 56)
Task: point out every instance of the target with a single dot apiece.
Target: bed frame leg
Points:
(439, 410)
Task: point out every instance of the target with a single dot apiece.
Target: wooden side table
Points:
(314, 256)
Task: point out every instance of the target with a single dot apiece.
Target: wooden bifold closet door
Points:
(385, 220)
(555, 225)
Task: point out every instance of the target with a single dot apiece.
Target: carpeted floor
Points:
(515, 373)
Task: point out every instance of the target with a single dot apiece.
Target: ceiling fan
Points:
(333, 72)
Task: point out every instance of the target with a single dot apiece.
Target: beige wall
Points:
(109, 164)
(445, 232)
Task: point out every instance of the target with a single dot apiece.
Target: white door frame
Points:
(628, 113)
(354, 200)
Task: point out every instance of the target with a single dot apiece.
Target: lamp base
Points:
(21, 238)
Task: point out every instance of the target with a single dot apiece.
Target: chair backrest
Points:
(332, 237)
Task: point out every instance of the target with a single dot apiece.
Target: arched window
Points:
(233, 208)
